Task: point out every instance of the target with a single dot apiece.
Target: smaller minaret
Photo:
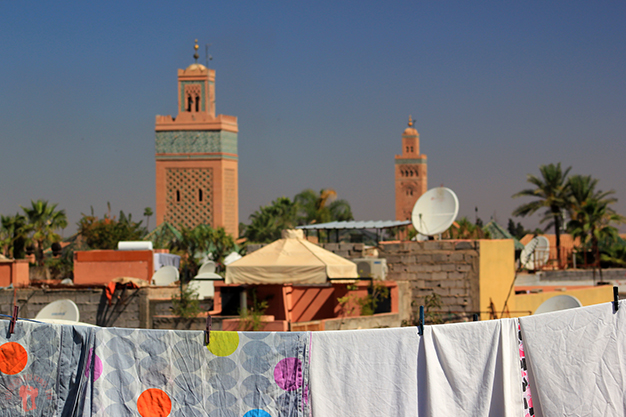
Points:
(411, 173)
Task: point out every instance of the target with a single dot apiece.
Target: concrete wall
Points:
(131, 308)
(447, 268)
(613, 274)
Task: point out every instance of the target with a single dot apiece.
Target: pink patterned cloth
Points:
(528, 400)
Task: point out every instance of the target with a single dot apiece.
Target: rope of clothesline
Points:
(21, 318)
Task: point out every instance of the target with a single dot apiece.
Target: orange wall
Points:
(99, 267)
(15, 272)
(5, 273)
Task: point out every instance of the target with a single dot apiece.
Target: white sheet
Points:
(470, 369)
(364, 373)
(578, 360)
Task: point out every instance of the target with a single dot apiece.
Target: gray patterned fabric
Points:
(59, 370)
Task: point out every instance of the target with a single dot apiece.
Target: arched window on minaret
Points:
(177, 195)
(200, 195)
(189, 103)
(197, 104)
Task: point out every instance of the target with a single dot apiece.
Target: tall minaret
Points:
(196, 157)
(411, 173)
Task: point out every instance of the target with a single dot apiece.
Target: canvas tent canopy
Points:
(291, 259)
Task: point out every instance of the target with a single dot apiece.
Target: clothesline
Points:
(562, 363)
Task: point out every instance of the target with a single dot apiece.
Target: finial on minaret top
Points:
(410, 121)
(196, 56)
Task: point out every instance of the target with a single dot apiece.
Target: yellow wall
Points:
(496, 274)
(587, 296)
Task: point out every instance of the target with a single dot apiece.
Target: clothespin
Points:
(615, 299)
(13, 319)
(420, 326)
(207, 330)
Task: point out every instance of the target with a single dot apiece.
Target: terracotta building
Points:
(196, 157)
(411, 173)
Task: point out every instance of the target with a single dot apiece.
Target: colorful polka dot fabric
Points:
(58, 370)
(40, 369)
(154, 373)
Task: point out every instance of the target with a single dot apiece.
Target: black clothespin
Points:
(615, 299)
(207, 330)
(13, 319)
(420, 326)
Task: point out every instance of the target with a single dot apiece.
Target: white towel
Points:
(578, 360)
(470, 369)
(364, 373)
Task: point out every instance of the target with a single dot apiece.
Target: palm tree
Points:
(582, 191)
(13, 235)
(594, 219)
(268, 222)
(147, 212)
(322, 207)
(43, 221)
(552, 193)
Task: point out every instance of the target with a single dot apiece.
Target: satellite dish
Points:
(165, 276)
(536, 253)
(207, 267)
(234, 256)
(65, 310)
(435, 211)
(204, 288)
(558, 302)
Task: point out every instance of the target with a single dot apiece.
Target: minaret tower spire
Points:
(196, 157)
(411, 173)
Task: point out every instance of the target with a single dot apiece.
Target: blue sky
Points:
(322, 91)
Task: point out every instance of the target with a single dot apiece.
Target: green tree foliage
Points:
(465, 229)
(43, 221)
(322, 207)
(198, 243)
(106, 232)
(267, 223)
(517, 230)
(14, 232)
(552, 194)
(307, 207)
(591, 217)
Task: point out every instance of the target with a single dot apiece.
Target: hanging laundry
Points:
(577, 360)
(364, 372)
(470, 369)
(172, 373)
(41, 368)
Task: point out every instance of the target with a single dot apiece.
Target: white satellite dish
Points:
(536, 253)
(204, 288)
(207, 272)
(207, 268)
(165, 276)
(65, 310)
(435, 211)
(558, 302)
(234, 256)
